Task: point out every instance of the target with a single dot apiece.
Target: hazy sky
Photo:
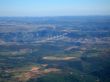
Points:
(54, 7)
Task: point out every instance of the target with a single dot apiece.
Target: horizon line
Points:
(58, 16)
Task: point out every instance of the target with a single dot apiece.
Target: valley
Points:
(55, 49)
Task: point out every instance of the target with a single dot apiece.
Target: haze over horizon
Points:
(54, 7)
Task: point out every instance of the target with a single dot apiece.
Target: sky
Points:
(54, 7)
